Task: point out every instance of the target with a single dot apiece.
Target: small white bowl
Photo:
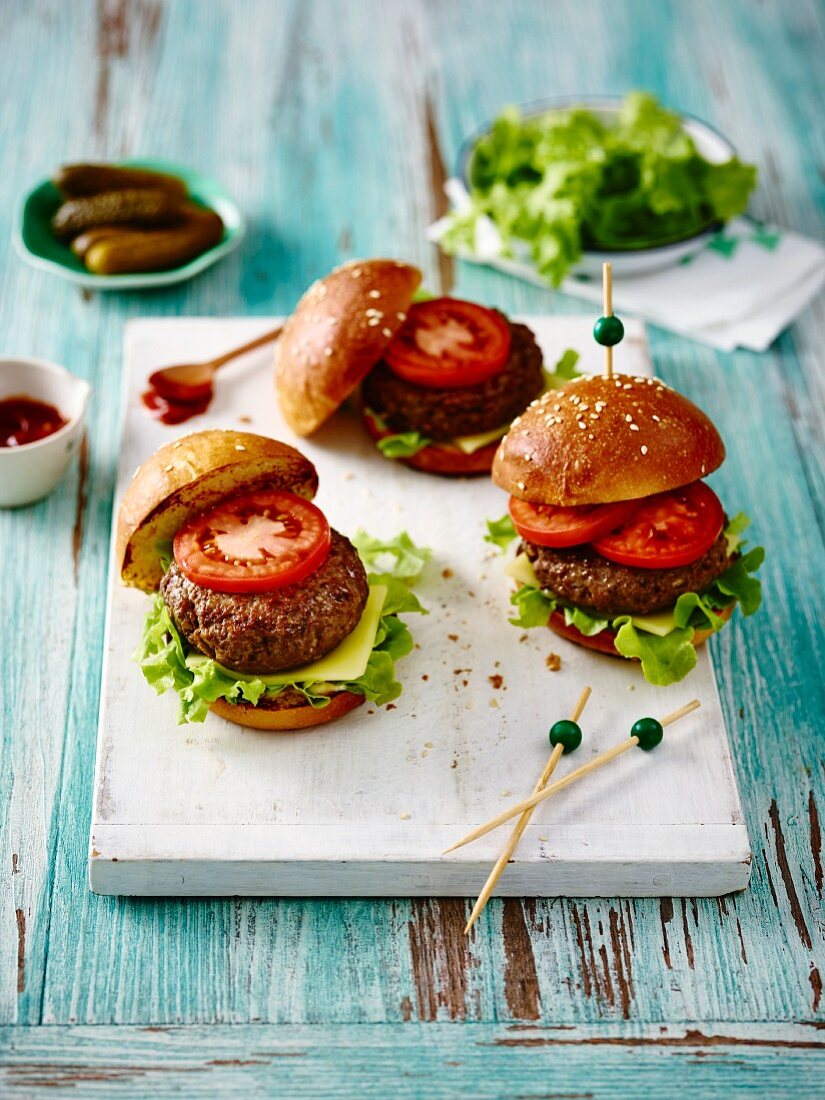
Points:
(31, 471)
(631, 261)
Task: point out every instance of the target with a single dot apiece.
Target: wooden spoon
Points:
(191, 383)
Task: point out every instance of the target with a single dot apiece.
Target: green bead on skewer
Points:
(608, 331)
(566, 733)
(649, 733)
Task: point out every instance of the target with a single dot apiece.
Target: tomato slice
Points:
(253, 542)
(668, 530)
(548, 525)
(446, 343)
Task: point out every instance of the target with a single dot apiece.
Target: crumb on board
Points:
(424, 676)
(244, 419)
(453, 637)
(496, 680)
(405, 816)
(458, 671)
(631, 687)
(348, 476)
(390, 706)
(505, 792)
(544, 838)
(494, 703)
(523, 638)
(428, 744)
(446, 574)
(553, 662)
(454, 763)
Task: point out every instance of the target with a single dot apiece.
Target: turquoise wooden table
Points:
(333, 124)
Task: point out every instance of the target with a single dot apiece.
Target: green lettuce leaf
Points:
(402, 445)
(664, 660)
(500, 532)
(557, 183)
(584, 621)
(398, 557)
(564, 370)
(534, 606)
(169, 663)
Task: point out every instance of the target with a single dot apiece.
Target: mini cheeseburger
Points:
(442, 378)
(624, 547)
(261, 612)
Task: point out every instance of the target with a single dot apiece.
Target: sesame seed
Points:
(375, 294)
(634, 427)
(373, 322)
(356, 272)
(528, 457)
(135, 474)
(594, 416)
(401, 316)
(643, 449)
(516, 422)
(629, 418)
(176, 444)
(627, 386)
(557, 408)
(590, 435)
(655, 417)
(520, 485)
(327, 352)
(168, 469)
(387, 332)
(582, 424)
(240, 447)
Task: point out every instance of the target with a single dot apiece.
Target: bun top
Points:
(337, 333)
(190, 476)
(597, 440)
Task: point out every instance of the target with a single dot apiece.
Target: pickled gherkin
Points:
(138, 250)
(79, 180)
(134, 207)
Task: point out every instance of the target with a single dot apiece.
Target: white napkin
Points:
(740, 291)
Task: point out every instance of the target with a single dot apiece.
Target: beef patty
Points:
(441, 414)
(581, 576)
(269, 631)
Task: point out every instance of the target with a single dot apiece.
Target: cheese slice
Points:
(521, 570)
(469, 444)
(661, 623)
(346, 662)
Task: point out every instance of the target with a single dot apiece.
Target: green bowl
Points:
(34, 242)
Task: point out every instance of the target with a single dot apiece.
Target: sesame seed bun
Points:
(337, 333)
(597, 440)
(189, 476)
(287, 719)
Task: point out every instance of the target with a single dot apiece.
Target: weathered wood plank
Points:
(409, 1061)
(334, 133)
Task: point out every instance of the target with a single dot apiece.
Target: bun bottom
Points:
(445, 461)
(603, 641)
(287, 719)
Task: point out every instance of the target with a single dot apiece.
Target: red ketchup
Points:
(24, 419)
(175, 404)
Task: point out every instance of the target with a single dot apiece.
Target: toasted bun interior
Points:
(337, 333)
(598, 439)
(289, 719)
(190, 476)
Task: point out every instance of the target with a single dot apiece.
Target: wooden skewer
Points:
(607, 283)
(540, 796)
(523, 821)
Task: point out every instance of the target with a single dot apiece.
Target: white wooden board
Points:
(366, 805)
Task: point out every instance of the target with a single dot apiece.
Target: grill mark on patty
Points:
(269, 631)
(441, 414)
(583, 577)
